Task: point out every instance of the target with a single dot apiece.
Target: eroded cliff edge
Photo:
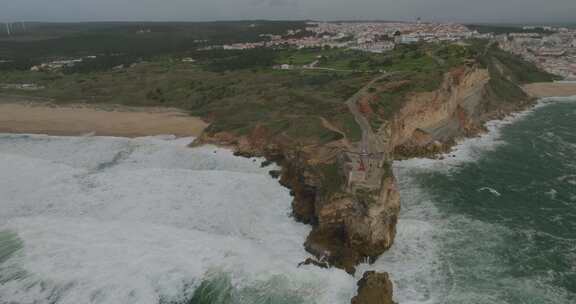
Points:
(346, 189)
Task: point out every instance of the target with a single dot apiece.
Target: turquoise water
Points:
(498, 227)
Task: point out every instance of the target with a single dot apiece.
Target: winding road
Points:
(370, 142)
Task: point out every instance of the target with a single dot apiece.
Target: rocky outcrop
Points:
(348, 226)
(374, 288)
(371, 228)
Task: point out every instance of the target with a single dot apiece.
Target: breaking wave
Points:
(149, 220)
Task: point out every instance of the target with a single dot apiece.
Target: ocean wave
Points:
(491, 190)
(163, 223)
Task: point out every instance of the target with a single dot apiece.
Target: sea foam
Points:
(148, 220)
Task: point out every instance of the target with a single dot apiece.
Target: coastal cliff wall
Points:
(429, 123)
(440, 115)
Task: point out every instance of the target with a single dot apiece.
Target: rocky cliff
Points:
(352, 201)
(429, 123)
(354, 217)
(374, 288)
(350, 223)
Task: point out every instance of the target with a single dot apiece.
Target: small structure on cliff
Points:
(363, 169)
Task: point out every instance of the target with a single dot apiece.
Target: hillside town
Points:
(376, 37)
(550, 48)
(554, 52)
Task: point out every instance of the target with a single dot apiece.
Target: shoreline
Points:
(550, 89)
(98, 120)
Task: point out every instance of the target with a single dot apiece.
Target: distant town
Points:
(550, 48)
(553, 49)
(554, 53)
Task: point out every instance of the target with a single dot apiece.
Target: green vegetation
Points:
(347, 123)
(289, 103)
(300, 57)
(413, 68)
(310, 127)
(132, 41)
(333, 180)
(517, 69)
(507, 73)
(505, 29)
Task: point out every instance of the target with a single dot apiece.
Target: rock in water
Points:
(374, 288)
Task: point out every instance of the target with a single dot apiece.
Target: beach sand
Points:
(551, 89)
(35, 118)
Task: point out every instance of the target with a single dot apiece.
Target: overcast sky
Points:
(204, 10)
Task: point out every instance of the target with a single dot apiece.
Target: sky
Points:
(502, 11)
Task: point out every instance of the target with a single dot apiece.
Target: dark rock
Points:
(303, 205)
(329, 245)
(275, 173)
(311, 261)
(243, 154)
(265, 163)
(374, 288)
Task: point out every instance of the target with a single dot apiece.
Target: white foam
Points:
(490, 190)
(111, 220)
(414, 261)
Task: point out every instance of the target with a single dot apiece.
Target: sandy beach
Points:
(551, 89)
(35, 118)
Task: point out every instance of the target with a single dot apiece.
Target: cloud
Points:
(276, 3)
(518, 11)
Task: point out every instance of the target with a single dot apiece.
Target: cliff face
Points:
(374, 288)
(429, 123)
(354, 226)
(351, 223)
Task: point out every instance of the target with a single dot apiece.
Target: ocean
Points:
(149, 220)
